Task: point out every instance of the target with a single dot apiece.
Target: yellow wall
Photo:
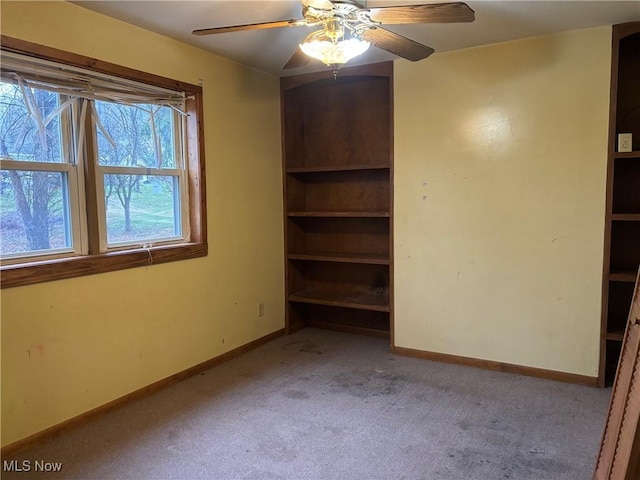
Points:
(72, 345)
(500, 167)
(500, 156)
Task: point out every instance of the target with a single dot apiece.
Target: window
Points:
(39, 208)
(140, 174)
(101, 168)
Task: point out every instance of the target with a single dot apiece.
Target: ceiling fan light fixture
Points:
(333, 51)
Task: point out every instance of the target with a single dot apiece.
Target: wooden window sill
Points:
(60, 269)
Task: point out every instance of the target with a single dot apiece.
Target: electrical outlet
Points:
(624, 142)
(261, 309)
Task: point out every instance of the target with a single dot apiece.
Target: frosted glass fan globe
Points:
(330, 52)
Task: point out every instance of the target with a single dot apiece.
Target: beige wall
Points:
(72, 345)
(500, 165)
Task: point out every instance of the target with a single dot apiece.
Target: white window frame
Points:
(180, 172)
(183, 203)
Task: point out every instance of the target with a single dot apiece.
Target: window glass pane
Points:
(141, 208)
(33, 211)
(136, 136)
(27, 129)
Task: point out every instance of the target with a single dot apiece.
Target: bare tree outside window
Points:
(32, 202)
(139, 206)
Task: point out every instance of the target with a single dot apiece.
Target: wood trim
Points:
(384, 69)
(77, 60)
(196, 168)
(623, 30)
(137, 394)
(60, 269)
(498, 366)
(613, 95)
(389, 70)
(29, 273)
(90, 187)
(289, 325)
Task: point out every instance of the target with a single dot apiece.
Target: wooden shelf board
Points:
(626, 155)
(350, 329)
(616, 335)
(622, 276)
(625, 217)
(341, 257)
(336, 168)
(361, 301)
(339, 214)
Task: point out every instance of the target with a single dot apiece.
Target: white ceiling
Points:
(269, 50)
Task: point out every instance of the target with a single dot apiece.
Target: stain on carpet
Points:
(296, 394)
(305, 347)
(474, 462)
(363, 384)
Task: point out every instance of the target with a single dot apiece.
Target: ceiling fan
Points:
(347, 28)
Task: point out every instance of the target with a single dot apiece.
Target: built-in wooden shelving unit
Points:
(622, 232)
(338, 172)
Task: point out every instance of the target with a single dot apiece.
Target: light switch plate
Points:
(624, 142)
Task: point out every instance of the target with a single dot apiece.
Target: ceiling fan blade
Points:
(318, 4)
(298, 59)
(250, 26)
(396, 44)
(435, 13)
